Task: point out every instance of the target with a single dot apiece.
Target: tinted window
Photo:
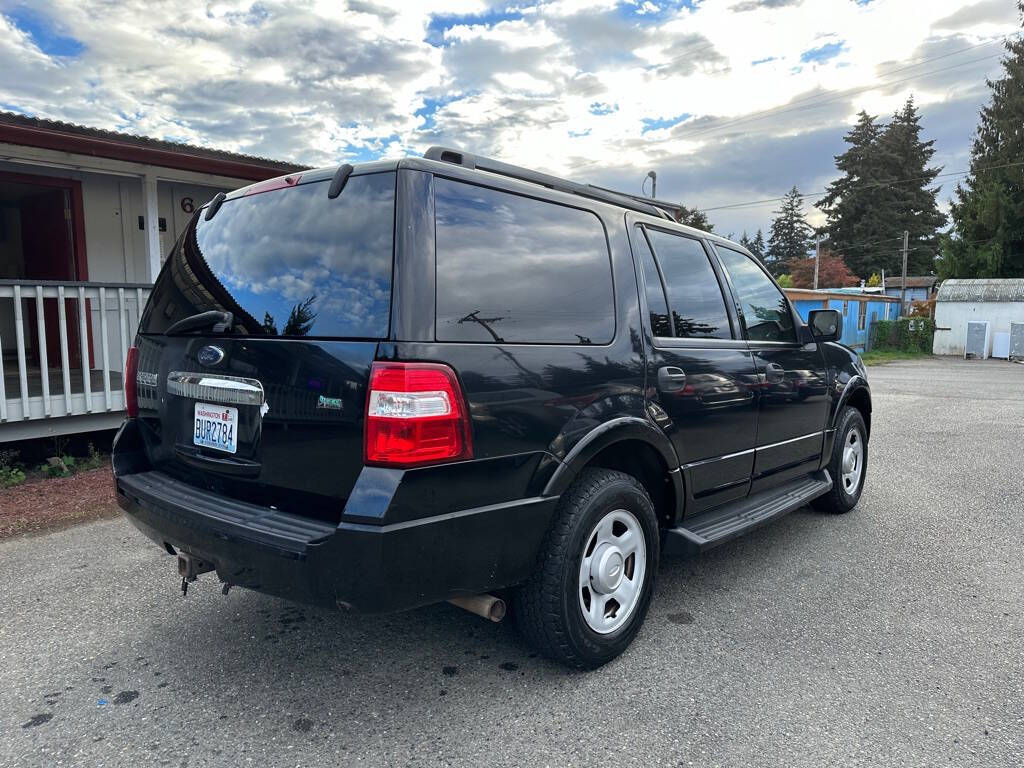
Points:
(656, 303)
(513, 269)
(765, 310)
(288, 262)
(694, 295)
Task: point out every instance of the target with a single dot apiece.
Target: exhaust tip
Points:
(486, 606)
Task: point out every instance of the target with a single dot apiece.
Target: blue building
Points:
(858, 308)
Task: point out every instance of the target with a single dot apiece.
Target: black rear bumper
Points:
(367, 568)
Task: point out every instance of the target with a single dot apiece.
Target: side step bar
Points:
(702, 532)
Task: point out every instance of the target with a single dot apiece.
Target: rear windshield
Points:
(288, 262)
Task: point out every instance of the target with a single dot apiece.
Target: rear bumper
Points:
(366, 568)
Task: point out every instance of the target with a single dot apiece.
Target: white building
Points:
(999, 301)
(86, 219)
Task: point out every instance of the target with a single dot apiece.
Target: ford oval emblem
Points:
(210, 355)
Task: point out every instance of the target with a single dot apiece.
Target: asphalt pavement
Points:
(892, 636)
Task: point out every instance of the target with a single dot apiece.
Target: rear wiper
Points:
(221, 322)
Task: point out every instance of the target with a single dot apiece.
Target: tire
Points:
(590, 541)
(848, 479)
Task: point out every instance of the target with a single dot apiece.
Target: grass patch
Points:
(882, 356)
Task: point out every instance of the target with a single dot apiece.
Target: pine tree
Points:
(691, 217)
(757, 245)
(884, 190)
(852, 204)
(790, 235)
(911, 204)
(987, 239)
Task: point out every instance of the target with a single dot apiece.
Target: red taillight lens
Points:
(415, 415)
(131, 382)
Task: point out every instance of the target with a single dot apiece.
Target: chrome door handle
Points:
(774, 373)
(671, 379)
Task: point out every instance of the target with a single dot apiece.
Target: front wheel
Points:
(595, 573)
(848, 464)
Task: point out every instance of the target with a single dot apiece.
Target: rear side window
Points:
(694, 295)
(288, 262)
(657, 305)
(765, 310)
(514, 269)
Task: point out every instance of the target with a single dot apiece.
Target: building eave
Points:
(186, 158)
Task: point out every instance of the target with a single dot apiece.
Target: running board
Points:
(718, 526)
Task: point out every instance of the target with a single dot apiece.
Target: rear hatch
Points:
(256, 345)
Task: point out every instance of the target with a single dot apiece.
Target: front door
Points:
(793, 378)
(701, 378)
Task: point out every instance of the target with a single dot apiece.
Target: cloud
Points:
(713, 96)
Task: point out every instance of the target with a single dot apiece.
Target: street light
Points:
(654, 183)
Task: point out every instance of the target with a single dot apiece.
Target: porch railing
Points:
(63, 346)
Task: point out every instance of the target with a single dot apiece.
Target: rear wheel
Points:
(595, 573)
(848, 464)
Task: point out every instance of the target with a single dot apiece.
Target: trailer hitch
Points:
(189, 568)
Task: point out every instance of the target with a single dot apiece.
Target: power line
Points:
(819, 98)
(811, 102)
(866, 185)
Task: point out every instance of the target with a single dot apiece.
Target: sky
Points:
(729, 101)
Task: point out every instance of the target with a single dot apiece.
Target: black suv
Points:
(448, 378)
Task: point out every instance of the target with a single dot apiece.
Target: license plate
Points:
(216, 426)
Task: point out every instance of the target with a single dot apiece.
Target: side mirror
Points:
(826, 324)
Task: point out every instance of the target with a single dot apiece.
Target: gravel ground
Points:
(892, 636)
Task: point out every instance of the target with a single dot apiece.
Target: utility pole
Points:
(817, 258)
(903, 289)
(653, 176)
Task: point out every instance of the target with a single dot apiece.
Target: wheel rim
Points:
(612, 571)
(853, 461)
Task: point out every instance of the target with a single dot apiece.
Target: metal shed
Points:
(1000, 301)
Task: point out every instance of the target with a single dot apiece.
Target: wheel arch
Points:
(633, 446)
(856, 395)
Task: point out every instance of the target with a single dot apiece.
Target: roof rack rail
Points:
(469, 160)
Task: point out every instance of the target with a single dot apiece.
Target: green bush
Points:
(11, 472)
(59, 466)
(897, 335)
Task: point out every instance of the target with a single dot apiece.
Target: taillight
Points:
(415, 415)
(131, 383)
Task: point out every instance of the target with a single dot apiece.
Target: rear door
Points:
(271, 409)
(700, 374)
(792, 376)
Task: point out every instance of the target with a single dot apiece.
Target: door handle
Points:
(774, 373)
(671, 379)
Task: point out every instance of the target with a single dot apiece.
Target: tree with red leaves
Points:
(833, 272)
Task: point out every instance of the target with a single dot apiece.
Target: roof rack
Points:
(468, 160)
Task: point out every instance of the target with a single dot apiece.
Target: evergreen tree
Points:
(884, 190)
(851, 205)
(691, 217)
(301, 318)
(754, 244)
(790, 235)
(910, 201)
(987, 239)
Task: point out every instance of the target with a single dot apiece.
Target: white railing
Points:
(63, 346)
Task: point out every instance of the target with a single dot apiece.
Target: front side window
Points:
(514, 269)
(694, 295)
(766, 311)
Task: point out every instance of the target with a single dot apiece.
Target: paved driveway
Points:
(891, 636)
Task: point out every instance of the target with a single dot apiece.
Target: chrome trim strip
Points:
(717, 458)
(809, 435)
(210, 388)
(751, 450)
